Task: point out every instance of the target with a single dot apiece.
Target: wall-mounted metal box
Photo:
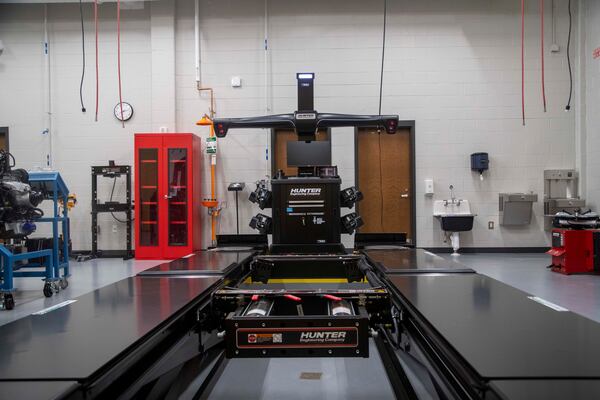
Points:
(516, 208)
(561, 193)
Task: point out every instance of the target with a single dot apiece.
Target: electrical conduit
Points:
(212, 205)
(523, 60)
(542, 53)
(48, 131)
(119, 58)
(97, 79)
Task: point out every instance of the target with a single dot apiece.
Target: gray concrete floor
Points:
(85, 277)
(527, 272)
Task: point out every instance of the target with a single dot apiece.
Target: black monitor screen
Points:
(305, 154)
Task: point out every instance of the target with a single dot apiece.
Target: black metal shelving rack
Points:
(111, 171)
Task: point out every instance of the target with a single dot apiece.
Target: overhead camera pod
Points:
(262, 223)
(350, 196)
(261, 195)
(306, 121)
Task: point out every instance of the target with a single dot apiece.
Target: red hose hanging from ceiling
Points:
(523, 60)
(542, 50)
(96, 26)
(119, 57)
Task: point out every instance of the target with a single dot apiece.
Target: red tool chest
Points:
(167, 195)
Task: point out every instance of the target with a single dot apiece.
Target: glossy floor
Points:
(578, 293)
(85, 277)
(528, 272)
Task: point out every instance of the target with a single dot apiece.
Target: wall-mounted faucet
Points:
(453, 199)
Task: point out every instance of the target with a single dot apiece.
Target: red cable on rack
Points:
(543, 63)
(119, 58)
(96, 26)
(523, 60)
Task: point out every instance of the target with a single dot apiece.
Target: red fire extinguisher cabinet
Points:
(167, 195)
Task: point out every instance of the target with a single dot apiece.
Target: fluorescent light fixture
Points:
(306, 76)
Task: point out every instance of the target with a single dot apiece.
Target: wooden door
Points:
(4, 138)
(385, 178)
(282, 136)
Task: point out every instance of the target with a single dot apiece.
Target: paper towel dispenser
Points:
(480, 162)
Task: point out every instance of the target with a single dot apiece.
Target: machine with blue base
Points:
(21, 192)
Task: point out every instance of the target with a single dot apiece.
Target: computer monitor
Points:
(305, 154)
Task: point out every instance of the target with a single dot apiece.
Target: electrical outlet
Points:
(114, 228)
(490, 224)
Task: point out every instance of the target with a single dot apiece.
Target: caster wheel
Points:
(63, 283)
(48, 292)
(9, 301)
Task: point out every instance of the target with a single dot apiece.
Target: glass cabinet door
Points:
(177, 197)
(148, 196)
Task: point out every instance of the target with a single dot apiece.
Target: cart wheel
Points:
(48, 292)
(9, 301)
(63, 283)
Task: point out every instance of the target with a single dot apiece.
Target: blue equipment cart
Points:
(52, 265)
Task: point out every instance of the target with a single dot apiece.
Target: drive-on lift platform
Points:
(311, 323)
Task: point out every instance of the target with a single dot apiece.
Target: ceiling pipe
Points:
(197, 40)
(198, 57)
(48, 131)
(266, 82)
(266, 57)
(212, 204)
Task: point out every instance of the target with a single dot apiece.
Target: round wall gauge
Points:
(127, 111)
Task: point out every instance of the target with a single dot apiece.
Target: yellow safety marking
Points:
(303, 280)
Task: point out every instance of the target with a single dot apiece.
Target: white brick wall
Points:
(453, 67)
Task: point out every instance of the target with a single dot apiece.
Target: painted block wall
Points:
(592, 95)
(453, 67)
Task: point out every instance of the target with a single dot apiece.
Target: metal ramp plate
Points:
(560, 389)
(410, 261)
(502, 332)
(74, 341)
(36, 390)
(201, 263)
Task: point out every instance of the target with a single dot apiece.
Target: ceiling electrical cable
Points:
(381, 219)
(119, 58)
(112, 193)
(382, 54)
(380, 100)
(82, 56)
(568, 106)
(96, 27)
(523, 60)
(542, 52)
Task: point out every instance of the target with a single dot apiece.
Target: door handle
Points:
(404, 196)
